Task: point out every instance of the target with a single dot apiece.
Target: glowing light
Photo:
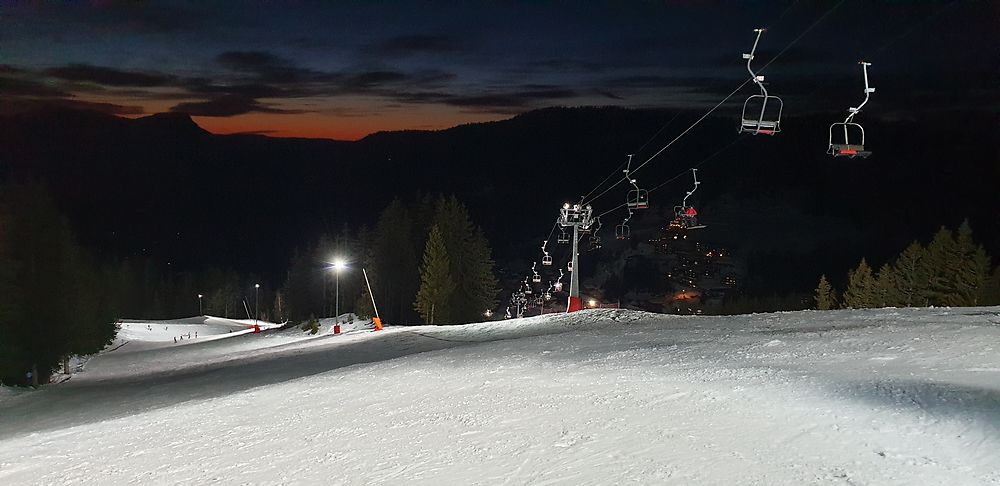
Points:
(593, 303)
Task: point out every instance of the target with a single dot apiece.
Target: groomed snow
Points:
(909, 396)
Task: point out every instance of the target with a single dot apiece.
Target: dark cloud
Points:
(408, 45)
(379, 82)
(512, 99)
(253, 90)
(251, 61)
(420, 97)
(568, 66)
(228, 105)
(372, 79)
(795, 55)
(608, 94)
(14, 105)
(13, 86)
(108, 76)
(268, 67)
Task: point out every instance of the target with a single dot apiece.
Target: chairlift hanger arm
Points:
(868, 91)
(759, 80)
(694, 173)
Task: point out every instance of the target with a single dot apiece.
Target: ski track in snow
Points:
(891, 396)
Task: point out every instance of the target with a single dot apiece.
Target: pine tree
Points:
(304, 286)
(824, 294)
(941, 263)
(396, 270)
(885, 291)
(860, 293)
(972, 268)
(56, 305)
(990, 293)
(279, 307)
(912, 277)
(471, 263)
(436, 285)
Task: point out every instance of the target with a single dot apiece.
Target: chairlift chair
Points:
(686, 217)
(851, 130)
(637, 198)
(569, 266)
(595, 242)
(546, 258)
(563, 237)
(623, 231)
(558, 285)
(757, 118)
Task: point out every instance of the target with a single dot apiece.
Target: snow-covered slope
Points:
(596, 397)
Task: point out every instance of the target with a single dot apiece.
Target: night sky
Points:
(347, 69)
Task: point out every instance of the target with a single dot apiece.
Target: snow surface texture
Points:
(909, 396)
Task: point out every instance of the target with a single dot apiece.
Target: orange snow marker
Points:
(376, 320)
(336, 329)
(256, 329)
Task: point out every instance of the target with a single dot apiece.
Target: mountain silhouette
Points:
(162, 186)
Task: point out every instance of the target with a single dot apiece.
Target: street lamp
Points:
(200, 313)
(337, 266)
(256, 303)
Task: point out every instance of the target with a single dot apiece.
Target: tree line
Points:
(407, 291)
(53, 301)
(952, 270)
(58, 300)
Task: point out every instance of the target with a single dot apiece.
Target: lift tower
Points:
(580, 218)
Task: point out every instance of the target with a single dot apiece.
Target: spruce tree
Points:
(396, 275)
(972, 268)
(436, 285)
(990, 293)
(912, 277)
(824, 295)
(471, 265)
(55, 305)
(886, 288)
(860, 292)
(941, 263)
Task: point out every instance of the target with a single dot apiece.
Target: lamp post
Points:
(200, 312)
(337, 267)
(256, 303)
